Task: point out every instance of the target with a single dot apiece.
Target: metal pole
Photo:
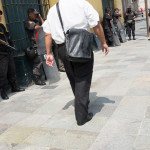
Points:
(147, 17)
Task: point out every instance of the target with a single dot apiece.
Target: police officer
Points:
(116, 16)
(130, 22)
(7, 65)
(107, 27)
(32, 27)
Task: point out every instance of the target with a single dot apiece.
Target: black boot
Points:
(38, 81)
(16, 88)
(134, 38)
(4, 94)
(130, 38)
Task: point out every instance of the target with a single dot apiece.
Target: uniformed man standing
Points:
(7, 65)
(130, 22)
(116, 16)
(107, 27)
(32, 27)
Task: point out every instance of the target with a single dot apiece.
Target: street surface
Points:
(42, 118)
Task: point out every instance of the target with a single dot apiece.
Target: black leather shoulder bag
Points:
(78, 42)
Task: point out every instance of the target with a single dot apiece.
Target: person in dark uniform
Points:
(117, 19)
(7, 65)
(130, 22)
(32, 27)
(107, 27)
(116, 16)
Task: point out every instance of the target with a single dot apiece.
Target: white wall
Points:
(142, 4)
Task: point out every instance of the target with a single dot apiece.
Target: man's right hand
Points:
(105, 49)
(50, 60)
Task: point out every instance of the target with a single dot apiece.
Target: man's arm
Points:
(100, 33)
(48, 43)
(117, 15)
(41, 19)
(38, 27)
(135, 15)
(30, 25)
(108, 17)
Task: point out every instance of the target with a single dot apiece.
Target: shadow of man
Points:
(96, 103)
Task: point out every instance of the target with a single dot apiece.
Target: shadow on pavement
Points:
(96, 103)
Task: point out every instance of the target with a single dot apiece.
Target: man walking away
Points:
(7, 65)
(130, 22)
(32, 27)
(77, 14)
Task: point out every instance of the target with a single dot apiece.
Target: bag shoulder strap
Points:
(37, 34)
(60, 18)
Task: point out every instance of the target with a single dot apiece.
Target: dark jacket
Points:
(31, 32)
(116, 17)
(4, 35)
(106, 21)
(130, 16)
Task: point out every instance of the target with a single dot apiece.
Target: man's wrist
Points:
(49, 53)
(103, 43)
(40, 17)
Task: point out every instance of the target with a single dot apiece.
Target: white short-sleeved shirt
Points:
(78, 14)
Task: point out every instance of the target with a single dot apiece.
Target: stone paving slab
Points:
(42, 118)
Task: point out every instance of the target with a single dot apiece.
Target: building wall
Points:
(137, 5)
(118, 4)
(97, 4)
(141, 4)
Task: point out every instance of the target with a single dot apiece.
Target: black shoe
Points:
(39, 82)
(4, 94)
(16, 88)
(112, 45)
(89, 117)
(134, 38)
(129, 38)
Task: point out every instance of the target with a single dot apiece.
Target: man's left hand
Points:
(105, 49)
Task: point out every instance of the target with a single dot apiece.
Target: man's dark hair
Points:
(32, 10)
(107, 10)
(116, 9)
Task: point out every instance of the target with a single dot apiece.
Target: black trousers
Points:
(7, 70)
(131, 28)
(108, 36)
(79, 75)
(37, 66)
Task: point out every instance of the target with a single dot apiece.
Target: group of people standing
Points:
(7, 65)
(66, 17)
(114, 19)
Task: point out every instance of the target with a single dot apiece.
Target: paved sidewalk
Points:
(42, 118)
